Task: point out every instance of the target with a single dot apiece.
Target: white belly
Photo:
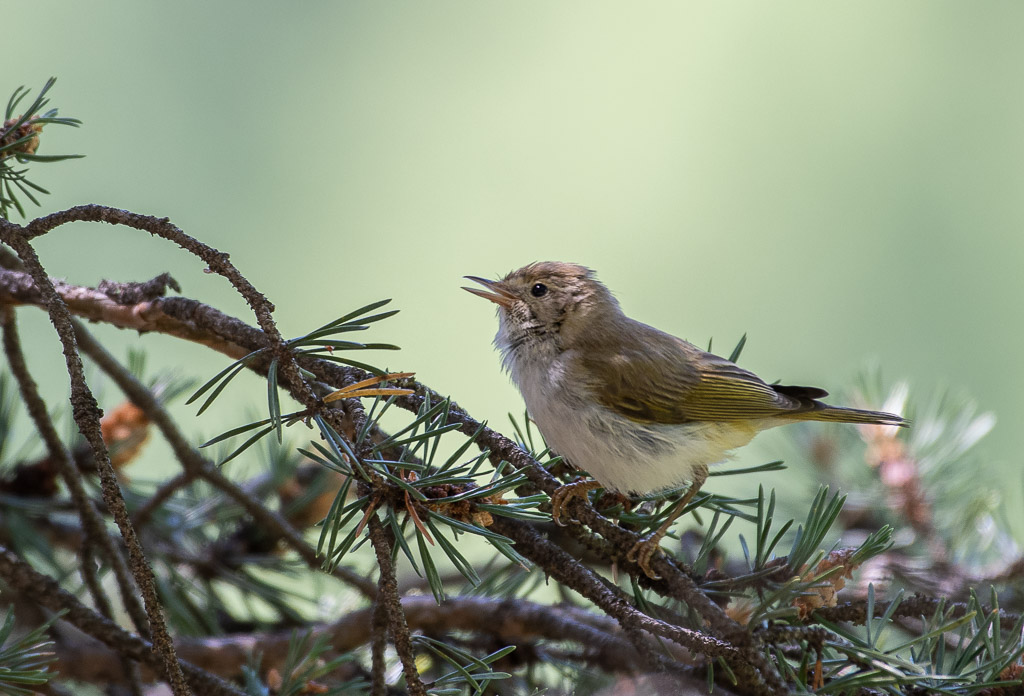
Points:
(623, 455)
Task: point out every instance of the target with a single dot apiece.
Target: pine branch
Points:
(388, 596)
(87, 415)
(194, 464)
(406, 497)
(91, 521)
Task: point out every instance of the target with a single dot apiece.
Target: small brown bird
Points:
(640, 410)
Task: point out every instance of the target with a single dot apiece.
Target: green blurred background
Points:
(842, 181)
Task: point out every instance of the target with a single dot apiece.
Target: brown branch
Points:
(379, 642)
(856, 612)
(197, 465)
(186, 319)
(758, 675)
(388, 596)
(217, 261)
(571, 573)
(46, 592)
(86, 413)
(88, 569)
(513, 621)
(92, 523)
(134, 293)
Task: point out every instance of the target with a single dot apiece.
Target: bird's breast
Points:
(622, 454)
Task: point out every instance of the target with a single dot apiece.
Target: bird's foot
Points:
(563, 494)
(643, 551)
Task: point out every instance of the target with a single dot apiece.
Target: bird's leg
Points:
(643, 551)
(563, 494)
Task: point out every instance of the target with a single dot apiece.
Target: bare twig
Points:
(379, 642)
(162, 494)
(88, 568)
(87, 414)
(92, 523)
(186, 322)
(398, 628)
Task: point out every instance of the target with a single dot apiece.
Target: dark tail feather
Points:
(819, 411)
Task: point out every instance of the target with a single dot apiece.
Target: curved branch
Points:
(92, 523)
(512, 620)
(45, 591)
(144, 316)
(86, 413)
(197, 465)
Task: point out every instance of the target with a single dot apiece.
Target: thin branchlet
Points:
(388, 595)
(196, 465)
(378, 642)
(88, 569)
(86, 413)
(92, 523)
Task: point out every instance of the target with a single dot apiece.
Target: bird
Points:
(640, 410)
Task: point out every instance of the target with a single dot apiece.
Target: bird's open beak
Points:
(498, 295)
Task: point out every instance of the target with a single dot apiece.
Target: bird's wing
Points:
(667, 380)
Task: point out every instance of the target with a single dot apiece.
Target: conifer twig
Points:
(87, 413)
(92, 524)
(378, 642)
(787, 654)
(88, 569)
(196, 465)
(388, 596)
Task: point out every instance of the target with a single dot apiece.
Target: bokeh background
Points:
(841, 181)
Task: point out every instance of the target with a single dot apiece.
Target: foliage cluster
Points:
(391, 543)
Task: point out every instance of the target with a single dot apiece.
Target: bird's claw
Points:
(642, 553)
(563, 494)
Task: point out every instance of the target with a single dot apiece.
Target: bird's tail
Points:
(814, 410)
(840, 414)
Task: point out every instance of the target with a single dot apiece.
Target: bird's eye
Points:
(539, 290)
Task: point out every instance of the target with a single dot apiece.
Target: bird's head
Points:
(547, 306)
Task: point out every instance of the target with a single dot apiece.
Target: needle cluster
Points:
(368, 535)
